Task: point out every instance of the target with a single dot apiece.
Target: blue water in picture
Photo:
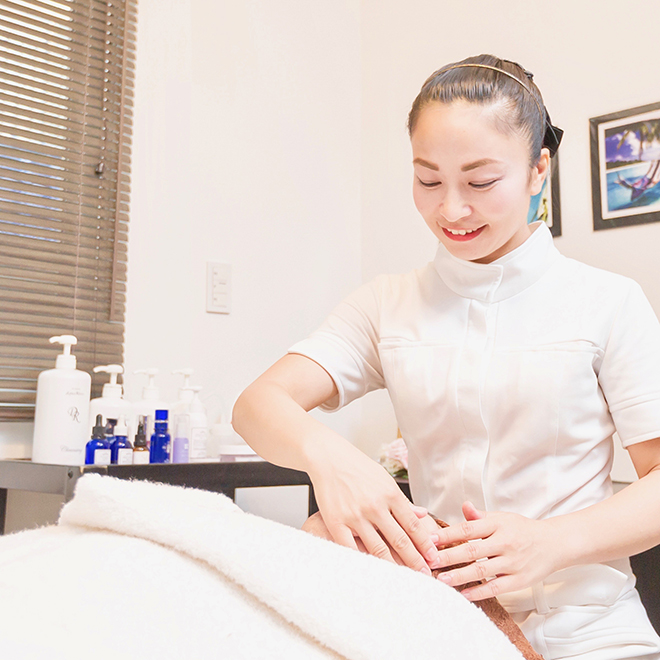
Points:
(619, 197)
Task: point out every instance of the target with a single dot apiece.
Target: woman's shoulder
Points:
(584, 279)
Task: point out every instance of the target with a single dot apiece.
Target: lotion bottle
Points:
(150, 401)
(60, 420)
(182, 405)
(111, 404)
(199, 427)
(181, 442)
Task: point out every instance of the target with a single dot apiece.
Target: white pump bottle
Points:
(111, 404)
(199, 427)
(60, 419)
(150, 401)
(186, 394)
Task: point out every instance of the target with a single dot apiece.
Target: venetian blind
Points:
(66, 88)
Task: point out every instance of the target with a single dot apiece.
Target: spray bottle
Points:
(60, 419)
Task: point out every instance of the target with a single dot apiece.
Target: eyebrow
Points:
(477, 163)
(464, 168)
(425, 163)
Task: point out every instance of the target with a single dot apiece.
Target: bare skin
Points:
(356, 496)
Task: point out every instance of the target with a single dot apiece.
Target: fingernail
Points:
(444, 577)
(431, 554)
(426, 570)
(435, 538)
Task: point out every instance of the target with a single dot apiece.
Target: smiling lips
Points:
(462, 234)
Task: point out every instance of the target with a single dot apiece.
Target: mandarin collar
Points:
(504, 277)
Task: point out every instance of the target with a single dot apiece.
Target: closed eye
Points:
(483, 186)
(429, 184)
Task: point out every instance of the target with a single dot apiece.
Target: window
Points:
(66, 89)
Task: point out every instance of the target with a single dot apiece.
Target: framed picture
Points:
(625, 167)
(546, 205)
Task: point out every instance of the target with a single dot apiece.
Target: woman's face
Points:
(473, 181)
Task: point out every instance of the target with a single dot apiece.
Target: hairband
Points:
(553, 134)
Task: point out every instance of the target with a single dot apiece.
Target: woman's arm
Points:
(520, 552)
(356, 496)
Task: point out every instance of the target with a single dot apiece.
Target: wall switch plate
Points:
(218, 288)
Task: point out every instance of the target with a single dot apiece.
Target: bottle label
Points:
(198, 438)
(140, 458)
(125, 456)
(102, 457)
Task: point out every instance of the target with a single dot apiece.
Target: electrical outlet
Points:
(218, 288)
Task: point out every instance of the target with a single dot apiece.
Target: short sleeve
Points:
(346, 345)
(630, 372)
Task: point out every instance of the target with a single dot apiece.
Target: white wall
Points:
(588, 59)
(246, 151)
(271, 135)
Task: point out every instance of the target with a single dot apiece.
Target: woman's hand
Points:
(361, 505)
(514, 552)
(316, 526)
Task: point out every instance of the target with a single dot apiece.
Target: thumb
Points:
(471, 512)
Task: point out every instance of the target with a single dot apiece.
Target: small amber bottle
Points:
(140, 449)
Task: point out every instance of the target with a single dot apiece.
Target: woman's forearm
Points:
(278, 428)
(625, 524)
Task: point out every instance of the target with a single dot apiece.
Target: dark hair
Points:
(524, 111)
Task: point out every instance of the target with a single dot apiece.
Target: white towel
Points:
(262, 590)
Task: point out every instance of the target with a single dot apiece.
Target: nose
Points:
(453, 207)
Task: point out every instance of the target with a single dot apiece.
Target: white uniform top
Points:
(508, 379)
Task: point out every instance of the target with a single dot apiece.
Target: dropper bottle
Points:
(140, 449)
(97, 451)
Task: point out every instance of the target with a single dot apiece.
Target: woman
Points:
(509, 368)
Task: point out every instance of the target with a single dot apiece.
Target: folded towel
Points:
(298, 596)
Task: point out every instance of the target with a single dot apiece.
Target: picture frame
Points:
(546, 205)
(625, 167)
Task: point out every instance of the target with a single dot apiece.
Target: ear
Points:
(539, 172)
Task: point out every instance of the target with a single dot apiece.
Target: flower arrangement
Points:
(394, 458)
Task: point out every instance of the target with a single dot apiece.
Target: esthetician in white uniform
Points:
(509, 367)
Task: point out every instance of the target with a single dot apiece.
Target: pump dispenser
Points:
(150, 401)
(186, 394)
(199, 428)
(60, 418)
(111, 403)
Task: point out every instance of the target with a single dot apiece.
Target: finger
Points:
(419, 511)
(465, 553)
(374, 543)
(470, 512)
(480, 570)
(418, 541)
(400, 541)
(466, 531)
(343, 536)
(492, 589)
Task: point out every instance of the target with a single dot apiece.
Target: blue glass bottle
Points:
(159, 451)
(97, 450)
(121, 449)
